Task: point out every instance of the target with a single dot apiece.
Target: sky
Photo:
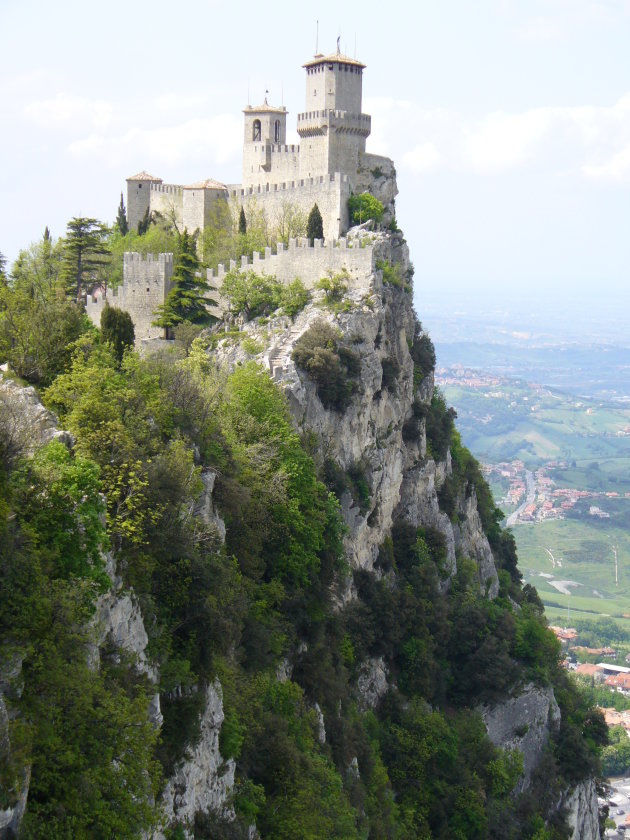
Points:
(508, 122)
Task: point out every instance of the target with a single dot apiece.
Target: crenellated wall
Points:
(308, 262)
(146, 282)
(329, 192)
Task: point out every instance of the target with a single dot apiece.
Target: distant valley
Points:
(551, 425)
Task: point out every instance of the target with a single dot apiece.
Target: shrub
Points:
(251, 294)
(117, 329)
(293, 298)
(440, 426)
(423, 354)
(391, 371)
(334, 286)
(333, 368)
(364, 207)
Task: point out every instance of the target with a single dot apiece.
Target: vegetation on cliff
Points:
(258, 610)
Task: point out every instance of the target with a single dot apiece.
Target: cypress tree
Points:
(121, 218)
(315, 225)
(145, 221)
(242, 222)
(187, 300)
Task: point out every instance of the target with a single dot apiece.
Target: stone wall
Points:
(146, 282)
(329, 192)
(264, 162)
(308, 262)
(167, 199)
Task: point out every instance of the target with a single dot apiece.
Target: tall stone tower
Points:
(139, 197)
(332, 128)
(265, 135)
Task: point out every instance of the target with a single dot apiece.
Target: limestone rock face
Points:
(204, 780)
(378, 325)
(525, 723)
(582, 811)
(118, 619)
(205, 508)
(372, 683)
(471, 541)
(25, 420)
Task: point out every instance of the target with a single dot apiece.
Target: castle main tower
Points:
(332, 127)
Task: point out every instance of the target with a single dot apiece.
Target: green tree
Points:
(242, 222)
(187, 300)
(37, 327)
(117, 329)
(364, 207)
(121, 218)
(315, 224)
(251, 294)
(84, 252)
(145, 222)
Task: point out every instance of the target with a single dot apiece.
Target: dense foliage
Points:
(333, 367)
(364, 207)
(153, 434)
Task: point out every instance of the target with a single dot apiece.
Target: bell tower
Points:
(265, 127)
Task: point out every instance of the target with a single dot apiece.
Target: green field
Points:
(582, 554)
(512, 419)
(509, 420)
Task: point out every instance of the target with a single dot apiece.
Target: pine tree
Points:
(121, 218)
(242, 222)
(314, 225)
(187, 300)
(84, 253)
(3, 266)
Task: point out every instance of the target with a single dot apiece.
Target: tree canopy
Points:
(188, 299)
(84, 252)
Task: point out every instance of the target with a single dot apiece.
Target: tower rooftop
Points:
(265, 108)
(208, 184)
(144, 176)
(327, 59)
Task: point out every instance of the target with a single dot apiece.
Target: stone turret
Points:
(139, 197)
(332, 128)
(265, 134)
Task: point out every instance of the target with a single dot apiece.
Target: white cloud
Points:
(214, 141)
(541, 29)
(584, 141)
(66, 110)
(422, 158)
(615, 169)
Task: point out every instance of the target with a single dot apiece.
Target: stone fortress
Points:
(327, 167)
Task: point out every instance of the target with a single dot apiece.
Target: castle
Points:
(328, 166)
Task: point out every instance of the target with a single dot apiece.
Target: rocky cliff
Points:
(383, 449)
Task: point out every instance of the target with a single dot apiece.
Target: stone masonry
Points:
(324, 168)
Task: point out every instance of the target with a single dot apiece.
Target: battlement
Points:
(334, 113)
(162, 261)
(146, 282)
(169, 189)
(276, 148)
(309, 262)
(237, 191)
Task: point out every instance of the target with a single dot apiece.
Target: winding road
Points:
(529, 499)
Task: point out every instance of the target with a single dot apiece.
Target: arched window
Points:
(276, 132)
(256, 133)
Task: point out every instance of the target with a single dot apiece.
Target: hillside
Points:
(258, 589)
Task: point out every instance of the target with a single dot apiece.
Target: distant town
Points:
(535, 495)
